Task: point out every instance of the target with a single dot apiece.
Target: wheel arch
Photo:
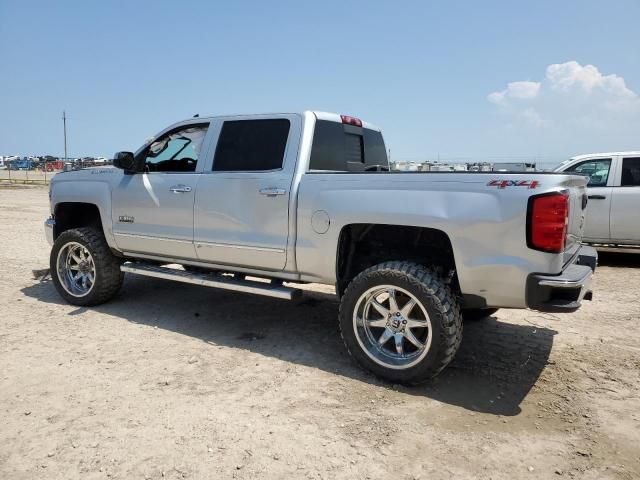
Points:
(82, 204)
(362, 245)
(70, 215)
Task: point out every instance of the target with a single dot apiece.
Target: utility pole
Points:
(64, 123)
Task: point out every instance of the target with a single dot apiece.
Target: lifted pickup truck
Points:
(246, 203)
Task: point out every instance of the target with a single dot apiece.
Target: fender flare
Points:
(94, 193)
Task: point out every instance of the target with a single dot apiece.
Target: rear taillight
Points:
(548, 218)
(347, 120)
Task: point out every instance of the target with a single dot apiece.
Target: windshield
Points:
(190, 137)
(176, 151)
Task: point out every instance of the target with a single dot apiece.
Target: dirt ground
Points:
(171, 381)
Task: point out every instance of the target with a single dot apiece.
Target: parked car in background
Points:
(24, 164)
(514, 167)
(614, 196)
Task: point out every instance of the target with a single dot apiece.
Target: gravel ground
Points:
(171, 381)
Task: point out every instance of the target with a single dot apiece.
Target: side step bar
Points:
(213, 279)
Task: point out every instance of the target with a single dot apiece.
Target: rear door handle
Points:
(597, 197)
(180, 189)
(272, 191)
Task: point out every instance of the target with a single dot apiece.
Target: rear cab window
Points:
(339, 147)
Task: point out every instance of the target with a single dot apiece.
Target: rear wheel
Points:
(474, 314)
(401, 321)
(83, 269)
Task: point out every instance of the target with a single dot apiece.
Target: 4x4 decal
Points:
(531, 184)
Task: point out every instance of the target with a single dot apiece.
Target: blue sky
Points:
(434, 75)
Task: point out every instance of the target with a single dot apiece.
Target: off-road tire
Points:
(475, 314)
(439, 301)
(108, 277)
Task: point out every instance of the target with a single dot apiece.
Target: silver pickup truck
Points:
(259, 203)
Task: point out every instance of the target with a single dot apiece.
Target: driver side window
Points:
(176, 151)
(597, 171)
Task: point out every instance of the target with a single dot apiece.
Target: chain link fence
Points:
(41, 173)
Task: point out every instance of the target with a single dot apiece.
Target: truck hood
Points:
(107, 173)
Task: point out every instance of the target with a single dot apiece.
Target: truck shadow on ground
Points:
(494, 370)
(619, 259)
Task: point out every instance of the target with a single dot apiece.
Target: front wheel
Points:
(401, 321)
(83, 269)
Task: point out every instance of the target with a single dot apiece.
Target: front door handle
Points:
(597, 197)
(180, 189)
(272, 191)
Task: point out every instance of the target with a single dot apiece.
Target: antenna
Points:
(64, 123)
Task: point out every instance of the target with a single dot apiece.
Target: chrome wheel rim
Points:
(392, 327)
(76, 269)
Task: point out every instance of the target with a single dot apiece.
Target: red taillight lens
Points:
(347, 120)
(548, 220)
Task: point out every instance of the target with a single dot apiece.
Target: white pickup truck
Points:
(259, 203)
(613, 216)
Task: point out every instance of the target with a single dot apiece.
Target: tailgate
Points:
(577, 187)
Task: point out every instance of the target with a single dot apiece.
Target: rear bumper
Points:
(566, 291)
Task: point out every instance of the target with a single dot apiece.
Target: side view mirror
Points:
(125, 160)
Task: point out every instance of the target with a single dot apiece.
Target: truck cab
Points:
(224, 190)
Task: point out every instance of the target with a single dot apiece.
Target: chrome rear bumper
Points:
(566, 291)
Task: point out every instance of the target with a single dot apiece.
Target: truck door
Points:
(242, 203)
(152, 212)
(625, 203)
(599, 192)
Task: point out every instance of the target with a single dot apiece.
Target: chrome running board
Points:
(214, 280)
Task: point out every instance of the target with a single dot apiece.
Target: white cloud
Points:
(571, 75)
(572, 104)
(517, 91)
(567, 87)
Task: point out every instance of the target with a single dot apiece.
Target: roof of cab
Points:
(333, 117)
(586, 156)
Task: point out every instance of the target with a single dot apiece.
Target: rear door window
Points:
(251, 145)
(630, 172)
(597, 171)
(347, 148)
